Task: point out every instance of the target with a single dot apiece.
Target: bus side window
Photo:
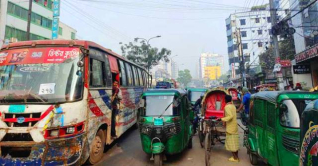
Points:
(96, 73)
(140, 77)
(123, 78)
(135, 75)
(108, 73)
(130, 77)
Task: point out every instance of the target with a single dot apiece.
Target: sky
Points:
(188, 27)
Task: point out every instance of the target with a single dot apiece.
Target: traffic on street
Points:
(155, 83)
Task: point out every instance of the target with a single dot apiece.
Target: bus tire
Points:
(253, 158)
(158, 160)
(97, 148)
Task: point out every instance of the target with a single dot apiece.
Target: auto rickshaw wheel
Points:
(158, 159)
(253, 158)
(97, 148)
(207, 146)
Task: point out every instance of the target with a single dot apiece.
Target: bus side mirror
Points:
(142, 103)
(80, 63)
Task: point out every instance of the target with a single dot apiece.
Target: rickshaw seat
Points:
(215, 113)
(215, 104)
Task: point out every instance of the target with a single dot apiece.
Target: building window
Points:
(73, 36)
(228, 27)
(253, 31)
(229, 38)
(268, 19)
(270, 31)
(11, 32)
(256, 20)
(60, 31)
(22, 13)
(243, 33)
(260, 44)
(45, 3)
(259, 32)
(245, 46)
(242, 22)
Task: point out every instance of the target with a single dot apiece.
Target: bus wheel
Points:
(158, 160)
(253, 158)
(97, 149)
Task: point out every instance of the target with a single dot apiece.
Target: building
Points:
(174, 70)
(212, 72)
(209, 59)
(254, 26)
(306, 43)
(163, 70)
(14, 16)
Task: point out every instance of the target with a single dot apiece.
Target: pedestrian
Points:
(246, 104)
(114, 102)
(298, 87)
(232, 135)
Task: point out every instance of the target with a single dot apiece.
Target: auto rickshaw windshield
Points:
(196, 95)
(290, 112)
(156, 105)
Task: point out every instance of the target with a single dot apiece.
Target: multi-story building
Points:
(209, 59)
(254, 26)
(212, 72)
(14, 16)
(174, 70)
(306, 42)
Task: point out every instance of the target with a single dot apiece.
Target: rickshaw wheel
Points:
(207, 146)
(253, 158)
(201, 138)
(158, 159)
(97, 148)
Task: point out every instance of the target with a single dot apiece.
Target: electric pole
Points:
(29, 20)
(241, 56)
(275, 42)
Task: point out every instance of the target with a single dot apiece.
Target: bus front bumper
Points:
(63, 151)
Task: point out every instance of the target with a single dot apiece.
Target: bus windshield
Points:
(40, 81)
(294, 108)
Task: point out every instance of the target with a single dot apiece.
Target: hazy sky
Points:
(187, 27)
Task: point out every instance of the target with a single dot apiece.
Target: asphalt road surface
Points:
(127, 151)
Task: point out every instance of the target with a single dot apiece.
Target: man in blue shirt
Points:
(246, 104)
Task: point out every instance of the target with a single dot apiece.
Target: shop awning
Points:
(113, 64)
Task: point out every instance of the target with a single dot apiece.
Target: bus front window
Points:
(42, 82)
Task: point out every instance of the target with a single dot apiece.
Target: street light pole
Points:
(147, 41)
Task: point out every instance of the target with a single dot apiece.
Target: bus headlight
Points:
(70, 130)
(145, 130)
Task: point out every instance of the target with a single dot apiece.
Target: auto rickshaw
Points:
(234, 93)
(165, 124)
(273, 129)
(309, 136)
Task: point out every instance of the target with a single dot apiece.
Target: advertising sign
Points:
(308, 54)
(37, 55)
(233, 70)
(55, 28)
(301, 69)
(56, 8)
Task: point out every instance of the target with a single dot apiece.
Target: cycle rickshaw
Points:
(211, 130)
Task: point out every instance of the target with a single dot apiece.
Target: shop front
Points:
(306, 67)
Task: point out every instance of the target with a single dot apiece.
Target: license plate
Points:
(158, 121)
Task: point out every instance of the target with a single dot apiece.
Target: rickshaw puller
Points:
(232, 136)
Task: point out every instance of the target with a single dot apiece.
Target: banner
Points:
(233, 70)
(55, 22)
(38, 55)
(301, 69)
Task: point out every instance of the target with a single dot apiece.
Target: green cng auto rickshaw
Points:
(165, 123)
(309, 135)
(273, 133)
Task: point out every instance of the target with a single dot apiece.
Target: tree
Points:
(184, 77)
(145, 55)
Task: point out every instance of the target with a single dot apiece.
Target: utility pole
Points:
(29, 20)
(275, 42)
(241, 56)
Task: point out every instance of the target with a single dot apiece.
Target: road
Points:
(128, 151)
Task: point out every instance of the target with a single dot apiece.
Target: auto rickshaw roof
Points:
(164, 92)
(198, 89)
(272, 96)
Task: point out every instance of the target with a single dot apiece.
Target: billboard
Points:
(212, 72)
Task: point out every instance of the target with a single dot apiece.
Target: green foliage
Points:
(184, 77)
(286, 50)
(224, 77)
(260, 7)
(144, 55)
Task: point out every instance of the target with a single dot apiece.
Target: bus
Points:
(55, 103)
